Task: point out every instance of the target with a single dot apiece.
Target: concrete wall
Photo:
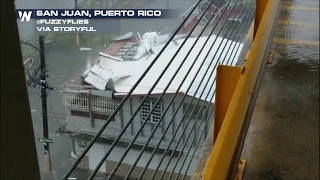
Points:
(98, 150)
(114, 128)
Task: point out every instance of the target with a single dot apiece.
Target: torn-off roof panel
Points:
(98, 77)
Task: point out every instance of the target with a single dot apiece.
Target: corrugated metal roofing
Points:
(134, 69)
(98, 77)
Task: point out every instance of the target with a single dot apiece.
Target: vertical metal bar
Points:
(89, 99)
(73, 146)
(227, 79)
(107, 105)
(76, 104)
(260, 8)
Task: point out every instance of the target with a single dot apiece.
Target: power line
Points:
(158, 100)
(144, 99)
(153, 153)
(78, 160)
(173, 97)
(54, 114)
(244, 25)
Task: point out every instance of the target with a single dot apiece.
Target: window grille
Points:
(146, 109)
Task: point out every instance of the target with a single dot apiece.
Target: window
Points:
(80, 113)
(199, 109)
(146, 109)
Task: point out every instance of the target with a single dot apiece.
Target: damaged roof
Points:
(124, 74)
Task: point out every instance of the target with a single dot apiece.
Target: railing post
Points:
(227, 79)
(260, 8)
(90, 108)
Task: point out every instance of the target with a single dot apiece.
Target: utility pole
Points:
(77, 35)
(76, 4)
(43, 76)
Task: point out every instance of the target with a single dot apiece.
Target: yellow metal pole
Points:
(260, 8)
(227, 79)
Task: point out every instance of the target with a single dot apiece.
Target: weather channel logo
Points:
(25, 15)
(81, 20)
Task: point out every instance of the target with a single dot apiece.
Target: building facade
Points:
(90, 119)
(91, 99)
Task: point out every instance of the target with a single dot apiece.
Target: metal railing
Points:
(237, 91)
(197, 98)
(83, 100)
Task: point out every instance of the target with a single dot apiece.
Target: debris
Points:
(108, 56)
(124, 37)
(85, 49)
(270, 58)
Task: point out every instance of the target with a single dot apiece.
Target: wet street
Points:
(66, 62)
(283, 138)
